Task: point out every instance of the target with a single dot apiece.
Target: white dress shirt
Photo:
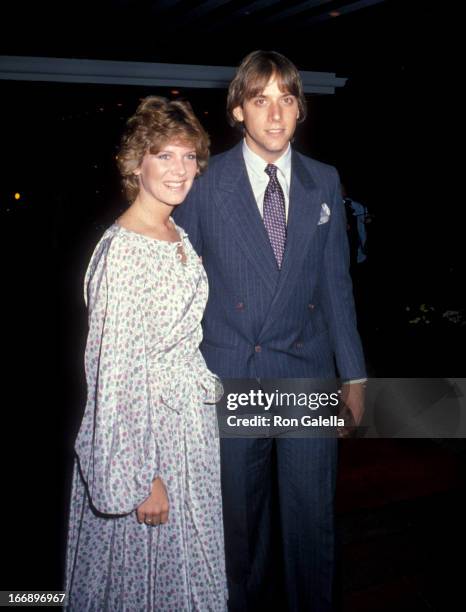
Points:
(259, 180)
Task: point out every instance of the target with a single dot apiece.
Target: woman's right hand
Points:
(154, 510)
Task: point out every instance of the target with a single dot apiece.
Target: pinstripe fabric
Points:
(306, 478)
(302, 316)
(297, 322)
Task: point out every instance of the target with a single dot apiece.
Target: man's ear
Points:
(238, 114)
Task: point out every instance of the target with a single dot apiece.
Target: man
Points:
(270, 226)
(357, 218)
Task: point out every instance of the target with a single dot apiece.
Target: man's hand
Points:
(154, 510)
(352, 399)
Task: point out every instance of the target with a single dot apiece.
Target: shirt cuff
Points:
(353, 382)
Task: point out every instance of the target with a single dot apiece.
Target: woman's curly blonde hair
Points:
(157, 122)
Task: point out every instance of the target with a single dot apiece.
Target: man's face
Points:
(269, 120)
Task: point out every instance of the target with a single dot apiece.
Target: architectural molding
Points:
(107, 72)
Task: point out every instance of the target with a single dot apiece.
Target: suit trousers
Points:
(305, 474)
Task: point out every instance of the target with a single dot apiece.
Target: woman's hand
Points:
(154, 510)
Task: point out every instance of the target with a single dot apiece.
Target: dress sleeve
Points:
(116, 444)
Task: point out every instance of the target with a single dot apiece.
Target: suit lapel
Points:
(239, 208)
(303, 217)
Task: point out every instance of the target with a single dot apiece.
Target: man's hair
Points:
(156, 123)
(252, 77)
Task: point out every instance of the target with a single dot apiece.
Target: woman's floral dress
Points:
(150, 412)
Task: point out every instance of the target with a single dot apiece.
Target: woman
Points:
(145, 529)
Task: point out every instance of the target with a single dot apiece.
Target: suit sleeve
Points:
(116, 445)
(337, 292)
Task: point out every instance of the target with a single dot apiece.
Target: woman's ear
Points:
(138, 170)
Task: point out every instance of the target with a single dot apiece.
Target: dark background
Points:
(391, 132)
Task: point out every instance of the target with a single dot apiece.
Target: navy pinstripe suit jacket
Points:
(296, 322)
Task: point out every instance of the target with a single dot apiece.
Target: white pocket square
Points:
(324, 214)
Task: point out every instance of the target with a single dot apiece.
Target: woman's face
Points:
(167, 176)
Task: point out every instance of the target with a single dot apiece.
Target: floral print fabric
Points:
(150, 412)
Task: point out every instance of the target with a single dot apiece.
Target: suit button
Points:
(311, 306)
(240, 306)
(299, 344)
(258, 348)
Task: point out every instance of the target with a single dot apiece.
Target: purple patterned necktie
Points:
(274, 214)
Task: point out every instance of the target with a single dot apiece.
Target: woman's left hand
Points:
(154, 510)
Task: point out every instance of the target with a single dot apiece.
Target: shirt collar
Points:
(257, 165)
